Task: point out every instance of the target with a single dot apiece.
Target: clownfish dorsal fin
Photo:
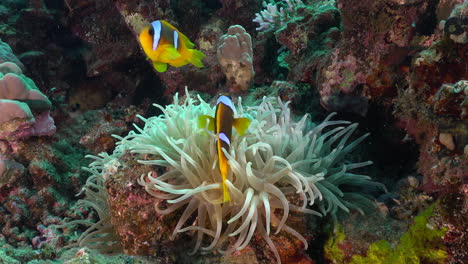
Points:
(241, 124)
(206, 120)
(189, 44)
(167, 24)
(182, 37)
(168, 53)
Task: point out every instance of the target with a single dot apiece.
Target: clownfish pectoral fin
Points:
(160, 66)
(241, 124)
(196, 58)
(205, 120)
(169, 53)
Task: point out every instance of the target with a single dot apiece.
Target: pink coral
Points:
(13, 110)
(47, 236)
(43, 126)
(25, 110)
(19, 87)
(6, 55)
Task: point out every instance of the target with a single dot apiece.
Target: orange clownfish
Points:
(164, 44)
(222, 124)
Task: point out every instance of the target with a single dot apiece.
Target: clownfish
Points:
(164, 44)
(222, 124)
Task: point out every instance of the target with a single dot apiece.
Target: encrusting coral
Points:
(422, 243)
(277, 158)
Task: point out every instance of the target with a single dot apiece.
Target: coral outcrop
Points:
(235, 55)
(19, 98)
(433, 110)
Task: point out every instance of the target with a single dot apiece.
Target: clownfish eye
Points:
(151, 31)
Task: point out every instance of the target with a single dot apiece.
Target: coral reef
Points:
(432, 112)
(79, 77)
(10, 171)
(374, 49)
(409, 201)
(39, 175)
(455, 27)
(236, 58)
(422, 243)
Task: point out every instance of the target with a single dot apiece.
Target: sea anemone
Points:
(99, 235)
(276, 158)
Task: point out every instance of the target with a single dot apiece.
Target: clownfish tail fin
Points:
(226, 196)
(196, 58)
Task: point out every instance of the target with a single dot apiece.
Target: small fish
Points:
(164, 44)
(222, 124)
